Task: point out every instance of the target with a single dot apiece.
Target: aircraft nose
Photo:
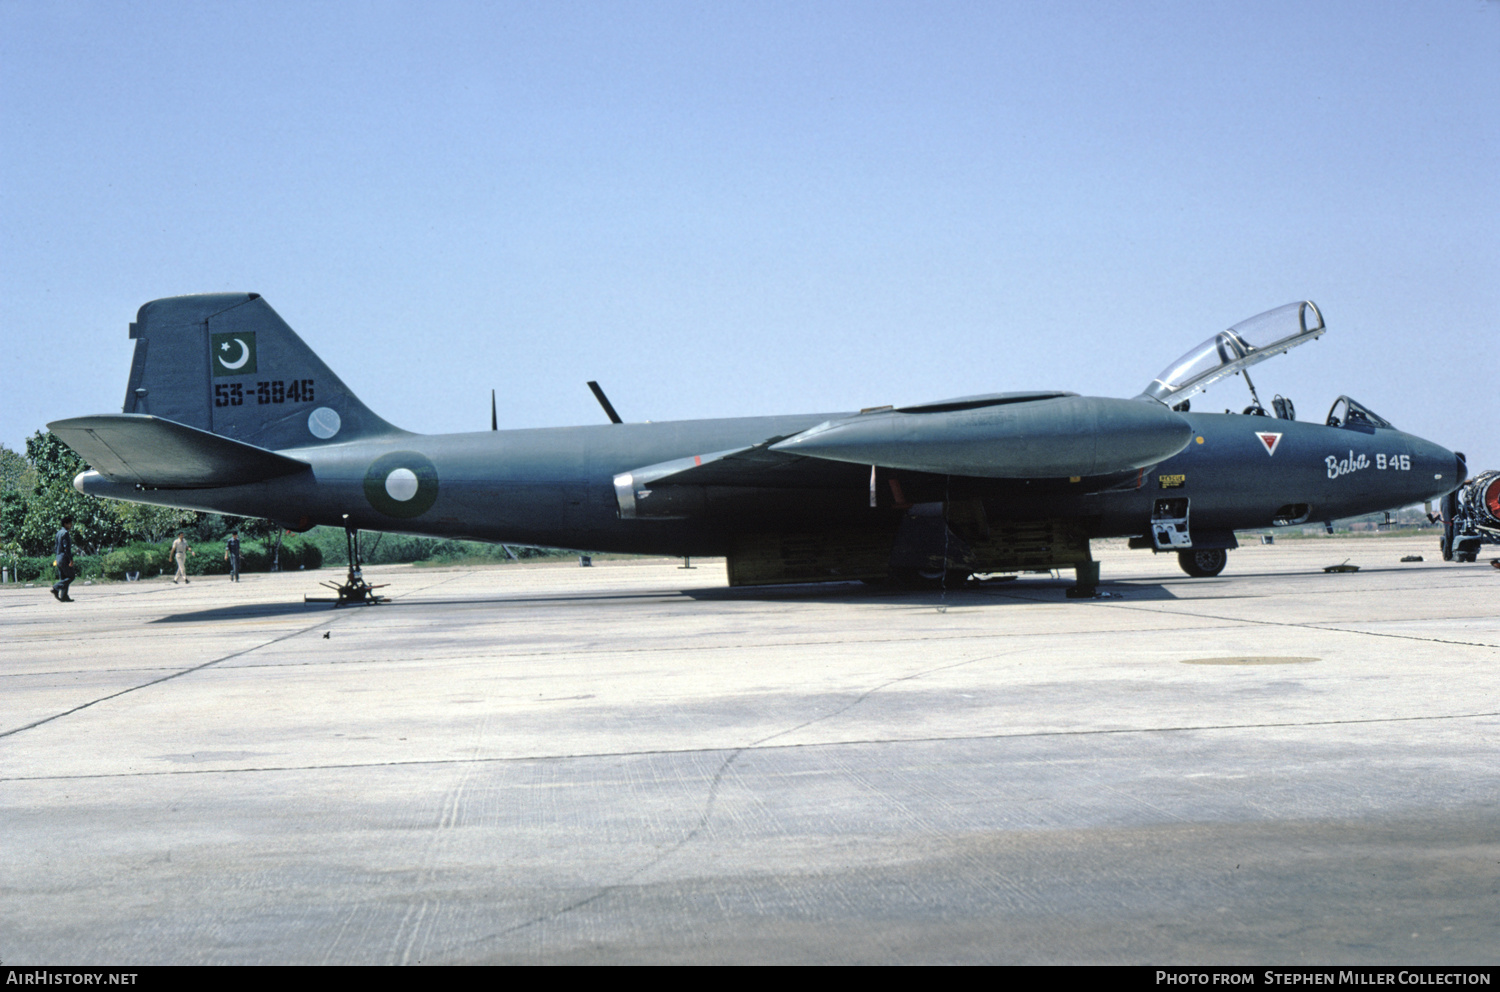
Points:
(1438, 470)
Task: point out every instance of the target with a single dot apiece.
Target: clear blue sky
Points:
(722, 209)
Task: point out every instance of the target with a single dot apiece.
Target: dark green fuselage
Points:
(554, 486)
(228, 410)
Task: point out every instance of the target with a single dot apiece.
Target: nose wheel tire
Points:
(1203, 564)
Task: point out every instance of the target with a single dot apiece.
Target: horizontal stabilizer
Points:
(142, 450)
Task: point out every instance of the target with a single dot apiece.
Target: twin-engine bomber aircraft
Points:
(229, 411)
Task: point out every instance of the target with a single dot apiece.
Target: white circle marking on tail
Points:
(324, 423)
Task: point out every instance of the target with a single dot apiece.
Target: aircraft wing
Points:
(1037, 435)
(1003, 436)
(661, 490)
(142, 450)
(755, 465)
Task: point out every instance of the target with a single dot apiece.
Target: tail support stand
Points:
(354, 590)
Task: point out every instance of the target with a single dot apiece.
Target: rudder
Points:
(227, 363)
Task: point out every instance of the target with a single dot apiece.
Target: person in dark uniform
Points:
(64, 562)
(232, 555)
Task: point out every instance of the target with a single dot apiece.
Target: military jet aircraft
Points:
(228, 411)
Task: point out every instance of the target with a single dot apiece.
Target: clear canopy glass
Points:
(1244, 344)
(1350, 412)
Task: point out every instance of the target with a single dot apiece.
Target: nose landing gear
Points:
(1204, 563)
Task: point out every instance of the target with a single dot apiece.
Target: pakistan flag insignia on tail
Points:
(233, 353)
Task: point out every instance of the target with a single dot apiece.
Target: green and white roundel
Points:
(402, 484)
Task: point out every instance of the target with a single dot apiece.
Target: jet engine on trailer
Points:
(1471, 517)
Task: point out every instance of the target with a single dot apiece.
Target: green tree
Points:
(144, 522)
(205, 527)
(258, 528)
(17, 480)
(15, 473)
(95, 522)
(12, 514)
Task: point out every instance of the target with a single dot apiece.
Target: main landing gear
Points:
(1203, 564)
(354, 590)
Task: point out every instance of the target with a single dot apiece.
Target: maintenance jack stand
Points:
(1087, 586)
(354, 590)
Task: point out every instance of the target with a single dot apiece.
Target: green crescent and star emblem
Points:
(233, 353)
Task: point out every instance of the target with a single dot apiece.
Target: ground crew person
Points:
(232, 555)
(181, 549)
(64, 563)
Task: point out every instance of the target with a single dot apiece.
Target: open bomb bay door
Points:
(1236, 349)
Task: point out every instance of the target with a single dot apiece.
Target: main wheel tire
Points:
(1203, 564)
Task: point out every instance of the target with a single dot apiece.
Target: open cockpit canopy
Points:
(1238, 348)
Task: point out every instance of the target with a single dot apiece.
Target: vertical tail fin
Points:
(227, 363)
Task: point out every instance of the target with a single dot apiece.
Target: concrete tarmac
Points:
(634, 763)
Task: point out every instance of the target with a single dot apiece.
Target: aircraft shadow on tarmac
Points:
(247, 611)
(833, 593)
(1038, 590)
(969, 594)
(852, 593)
